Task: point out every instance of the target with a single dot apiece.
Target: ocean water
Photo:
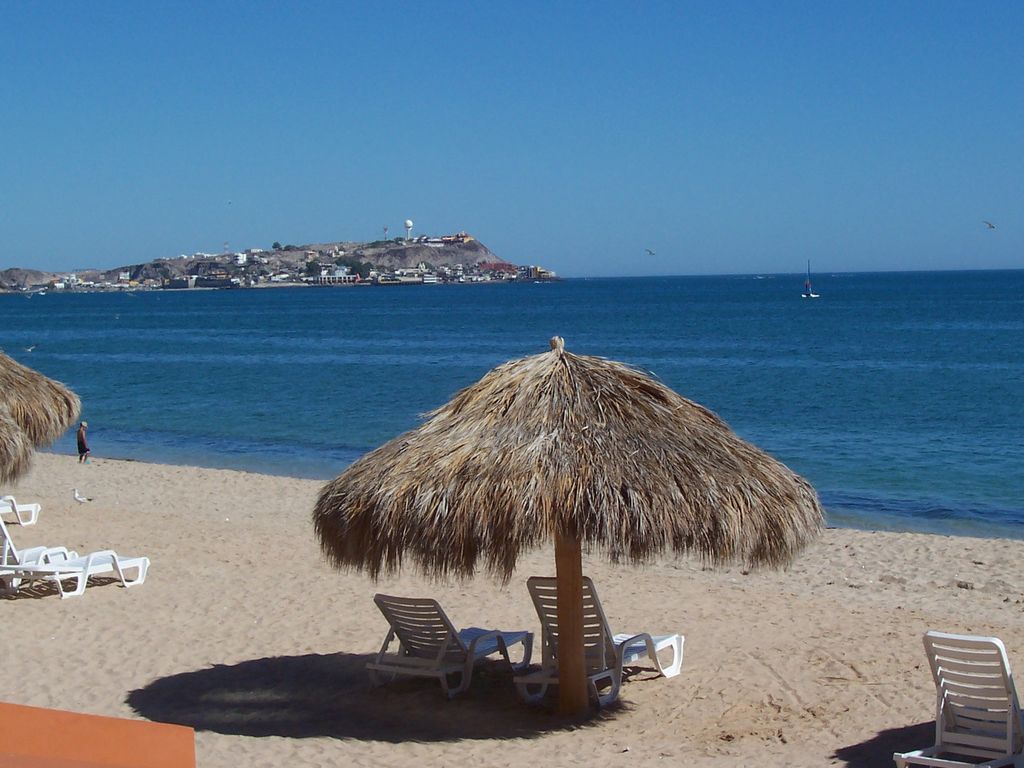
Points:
(898, 395)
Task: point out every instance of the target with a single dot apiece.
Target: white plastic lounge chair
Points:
(430, 646)
(977, 714)
(25, 514)
(605, 653)
(11, 557)
(58, 565)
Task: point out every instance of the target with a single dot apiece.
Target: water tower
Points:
(408, 228)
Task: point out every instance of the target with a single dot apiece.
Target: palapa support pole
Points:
(572, 677)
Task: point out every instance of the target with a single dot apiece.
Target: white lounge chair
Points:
(605, 653)
(430, 646)
(977, 714)
(25, 514)
(57, 565)
(11, 557)
(57, 568)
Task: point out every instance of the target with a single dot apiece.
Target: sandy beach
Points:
(244, 633)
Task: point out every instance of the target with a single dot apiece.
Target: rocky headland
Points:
(451, 257)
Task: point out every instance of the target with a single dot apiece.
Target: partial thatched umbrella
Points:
(44, 408)
(15, 448)
(583, 450)
(41, 408)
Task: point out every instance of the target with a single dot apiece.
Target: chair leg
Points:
(527, 654)
(81, 580)
(676, 664)
(614, 678)
(531, 697)
(467, 678)
(452, 692)
(377, 679)
(140, 572)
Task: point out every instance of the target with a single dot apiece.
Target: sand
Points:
(243, 632)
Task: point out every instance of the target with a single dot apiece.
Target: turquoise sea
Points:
(898, 395)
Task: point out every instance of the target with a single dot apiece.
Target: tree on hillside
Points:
(355, 266)
(276, 246)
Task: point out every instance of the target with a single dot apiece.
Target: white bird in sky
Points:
(988, 224)
(29, 349)
(80, 498)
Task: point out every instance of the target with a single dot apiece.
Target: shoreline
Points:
(322, 470)
(243, 632)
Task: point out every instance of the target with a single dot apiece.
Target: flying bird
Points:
(29, 349)
(79, 497)
(649, 251)
(988, 224)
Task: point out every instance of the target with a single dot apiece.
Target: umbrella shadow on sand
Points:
(329, 695)
(878, 750)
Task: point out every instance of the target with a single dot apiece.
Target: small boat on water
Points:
(808, 288)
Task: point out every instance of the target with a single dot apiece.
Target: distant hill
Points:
(385, 255)
(17, 279)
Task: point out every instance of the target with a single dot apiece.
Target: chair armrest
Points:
(485, 637)
(101, 554)
(620, 648)
(492, 635)
(50, 555)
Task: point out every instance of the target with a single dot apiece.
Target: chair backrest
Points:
(976, 711)
(598, 648)
(421, 626)
(10, 553)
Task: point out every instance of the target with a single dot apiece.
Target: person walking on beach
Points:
(83, 444)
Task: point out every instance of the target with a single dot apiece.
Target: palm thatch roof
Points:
(15, 448)
(562, 442)
(43, 408)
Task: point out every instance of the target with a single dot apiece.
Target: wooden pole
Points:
(572, 678)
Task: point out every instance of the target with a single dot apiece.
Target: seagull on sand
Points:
(79, 497)
(988, 224)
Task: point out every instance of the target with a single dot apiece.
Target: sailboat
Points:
(808, 289)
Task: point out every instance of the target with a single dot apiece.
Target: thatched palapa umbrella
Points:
(15, 448)
(34, 411)
(44, 408)
(582, 450)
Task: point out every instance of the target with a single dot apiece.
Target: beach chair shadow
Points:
(329, 695)
(38, 590)
(877, 751)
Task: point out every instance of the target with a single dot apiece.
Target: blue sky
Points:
(726, 137)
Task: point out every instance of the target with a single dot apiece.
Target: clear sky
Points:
(726, 137)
